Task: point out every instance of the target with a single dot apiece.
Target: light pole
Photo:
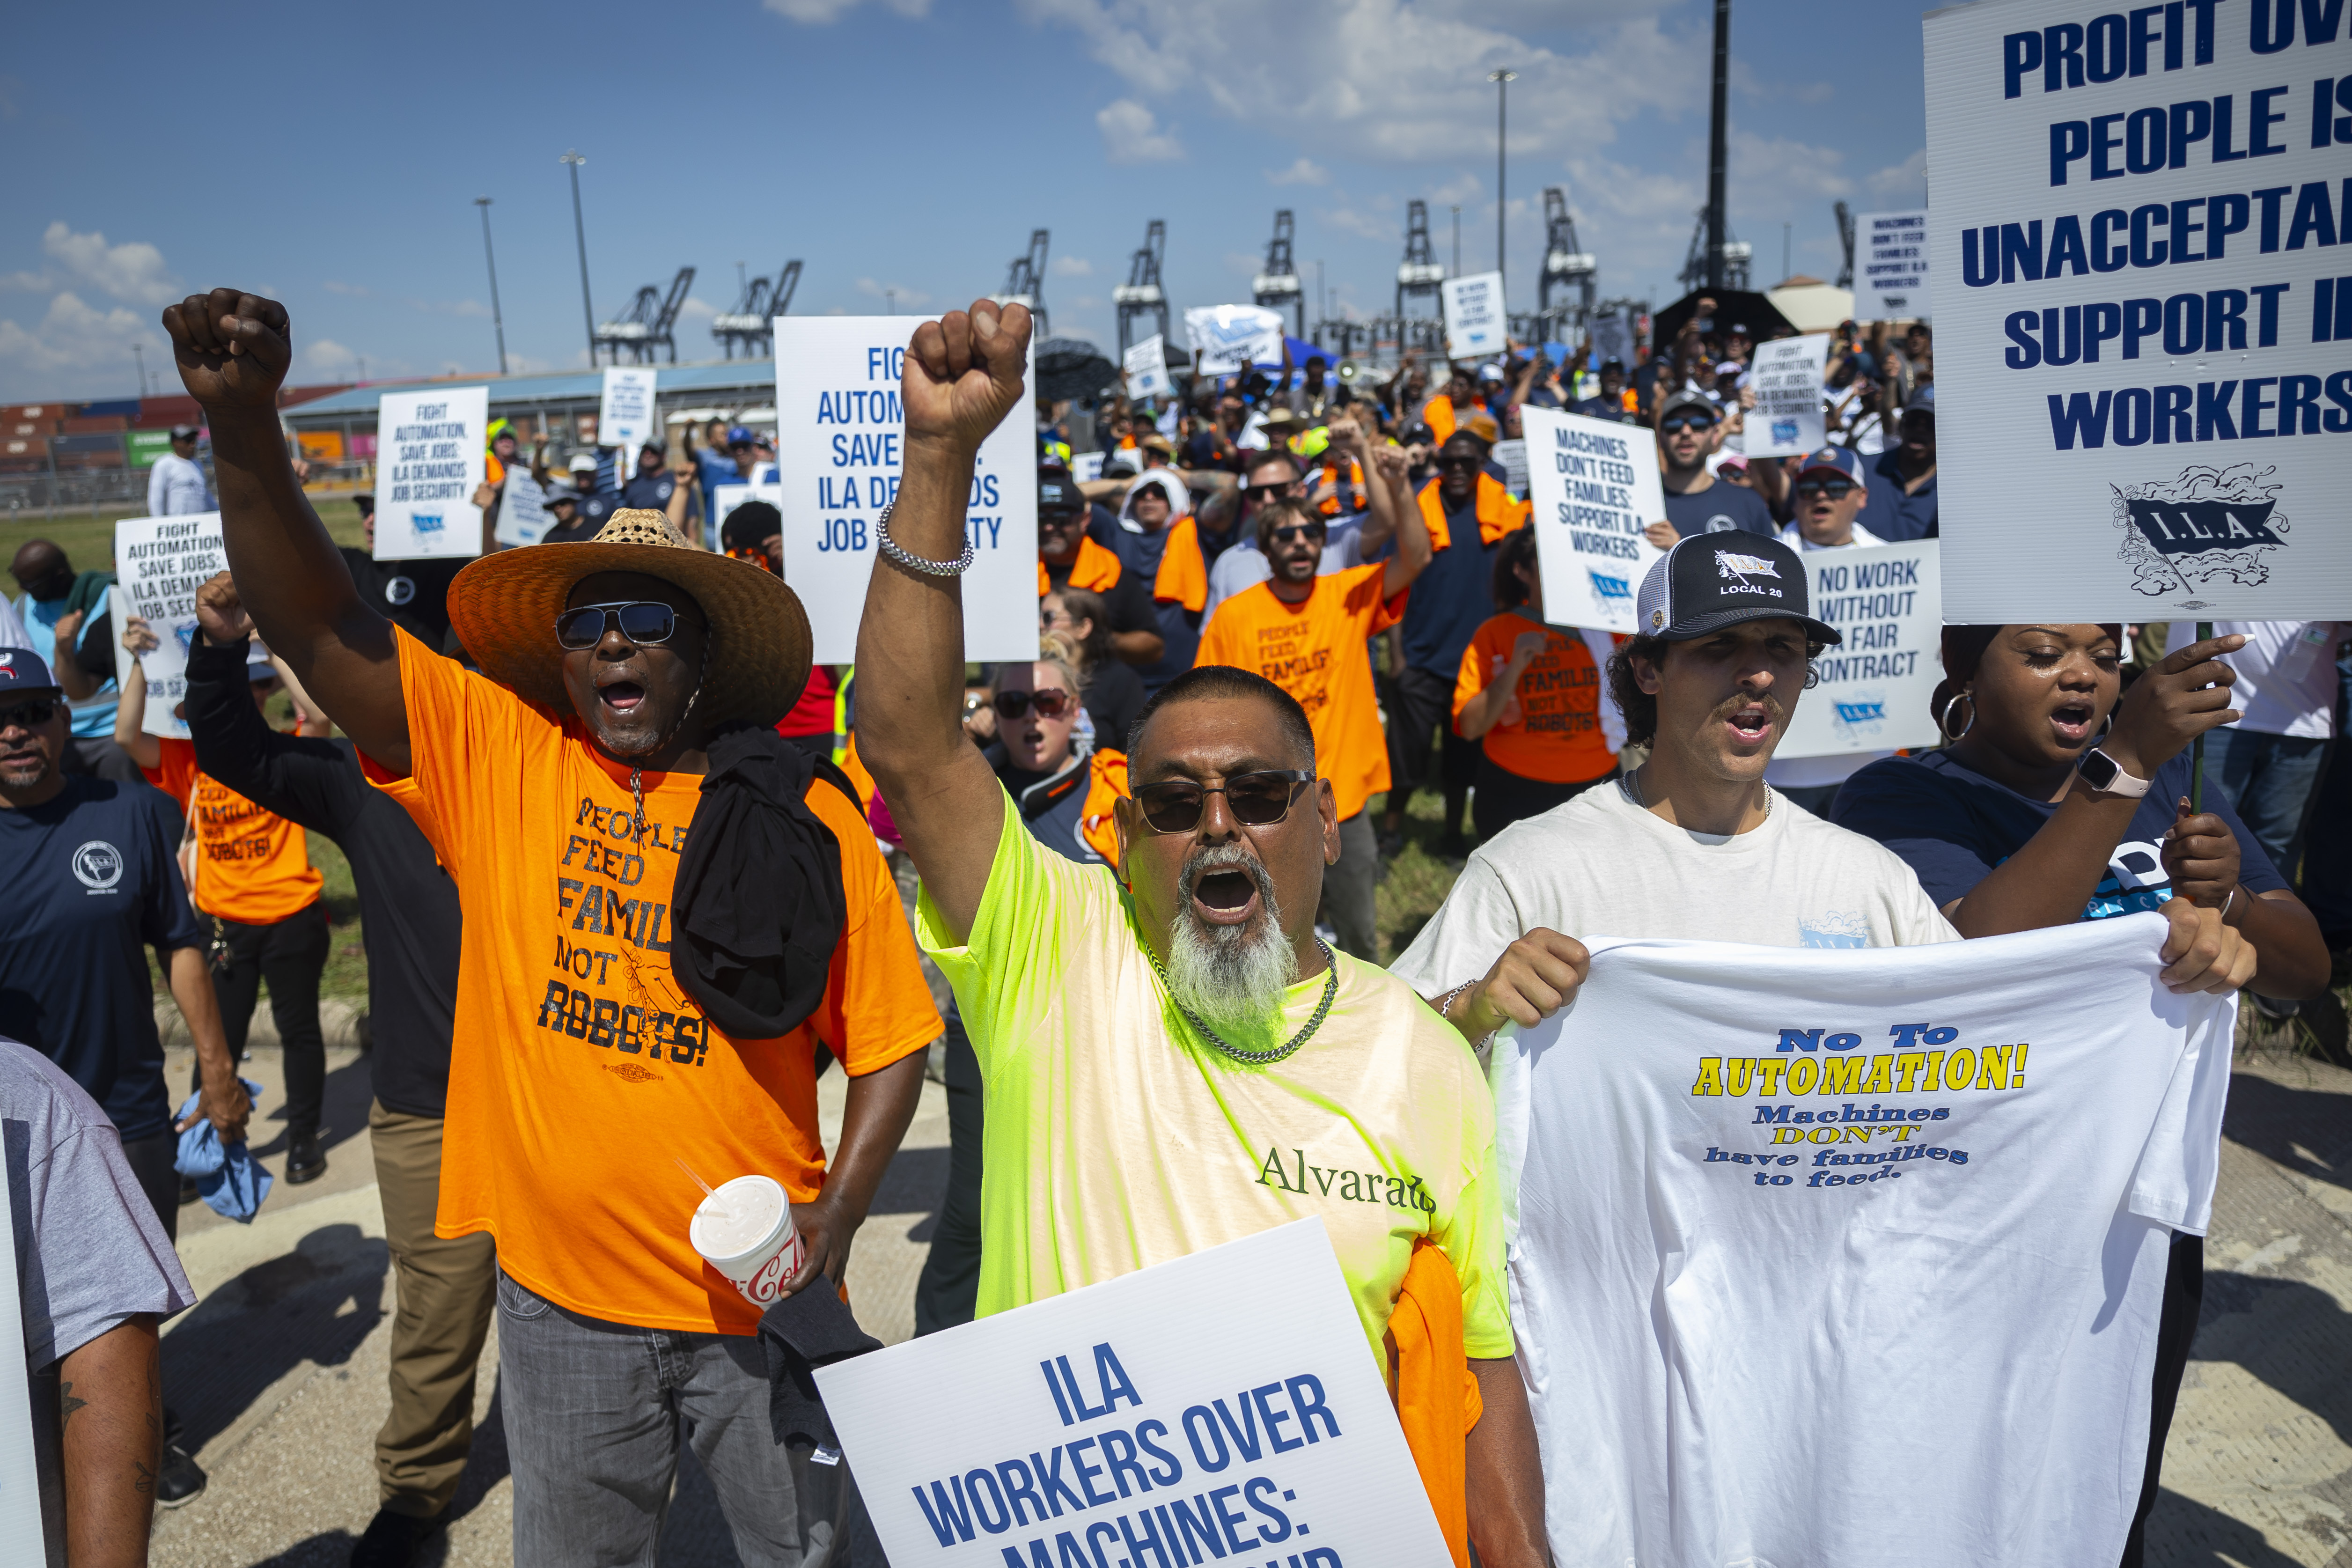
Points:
(573, 160)
(139, 352)
(1502, 80)
(889, 302)
(1715, 157)
(1457, 242)
(497, 320)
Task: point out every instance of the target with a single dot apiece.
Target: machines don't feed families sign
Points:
(1104, 1426)
(2143, 361)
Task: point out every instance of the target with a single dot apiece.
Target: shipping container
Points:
(29, 428)
(146, 446)
(363, 446)
(93, 425)
(93, 442)
(88, 462)
(34, 448)
(34, 410)
(321, 446)
(162, 413)
(124, 408)
(21, 465)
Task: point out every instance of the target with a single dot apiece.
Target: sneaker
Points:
(305, 1161)
(180, 1480)
(2275, 1011)
(392, 1539)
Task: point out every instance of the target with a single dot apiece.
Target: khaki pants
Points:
(446, 1291)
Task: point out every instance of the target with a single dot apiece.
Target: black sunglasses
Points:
(1267, 492)
(1051, 702)
(1836, 489)
(1674, 422)
(1255, 800)
(1458, 460)
(642, 622)
(39, 711)
(1291, 530)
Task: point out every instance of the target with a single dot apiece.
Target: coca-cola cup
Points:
(745, 1230)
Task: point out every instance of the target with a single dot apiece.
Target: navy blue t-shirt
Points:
(1452, 598)
(1892, 515)
(1952, 826)
(91, 884)
(1721, 508)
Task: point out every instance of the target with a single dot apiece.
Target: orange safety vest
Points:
(1183, 577)
(1437, 1396)
(1498, 513)
(1105, 783)
(1095, 570)
(1438, 415)
(1331, 504)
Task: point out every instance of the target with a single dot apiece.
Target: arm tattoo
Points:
(145, 1484)
(67, 1403)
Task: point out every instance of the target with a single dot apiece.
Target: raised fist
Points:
(221, 613)
(964, 373)
(232, 349)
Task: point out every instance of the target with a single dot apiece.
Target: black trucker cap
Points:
(1710, 581)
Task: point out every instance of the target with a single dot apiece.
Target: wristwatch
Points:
(2106, 775)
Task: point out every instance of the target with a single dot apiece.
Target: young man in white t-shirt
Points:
(1694, 844)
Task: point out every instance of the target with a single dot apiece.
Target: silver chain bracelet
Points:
(892, 552)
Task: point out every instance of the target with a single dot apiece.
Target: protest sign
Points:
(725, 499)
(626, 418)
(523, 508)
(1512, 457)
(430, 465)
(1594, 485)
(1102, 1424)
(1231, 337)
(1085, 467)
(159, 564)
(1474, 319)
(2145, 361)
(1872, 688)
(839, 445)
(20, 1480)
(1613, 338)
(1147, 368)
(1987, 1142)
(1890, 275)
(1787, 419)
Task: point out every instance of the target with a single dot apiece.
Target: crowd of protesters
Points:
(1284, 603)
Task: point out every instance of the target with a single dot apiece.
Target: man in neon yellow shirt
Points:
(1172, 1059)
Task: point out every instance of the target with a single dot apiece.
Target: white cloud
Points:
(1073, 266)
(78, 349)
(1131, 134)
(904, 295)
(815, 13)
(1305, 171)
(1788, 167)
(354, 290)
(329, 357)
(1907, 179)
(132, 271)
(1352, 221)
(697, 308)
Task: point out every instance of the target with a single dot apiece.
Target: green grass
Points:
(1417, 880)
(87, 539)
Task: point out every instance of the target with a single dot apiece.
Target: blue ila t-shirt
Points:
(93, 884)
(1952, 826)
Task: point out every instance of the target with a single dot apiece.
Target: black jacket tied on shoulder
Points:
(759, 900)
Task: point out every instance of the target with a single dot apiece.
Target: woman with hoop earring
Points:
(2062, 797)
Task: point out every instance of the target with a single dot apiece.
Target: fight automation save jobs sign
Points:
(1594, 487)
(2144, 366)
(840, 439)
(626, 415)
(1871, 692)
(159, 564)
(430, 455)
(1787, 421)
(1102, 1426)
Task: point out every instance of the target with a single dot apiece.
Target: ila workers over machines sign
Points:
(2144, 304)
(1104, 1426)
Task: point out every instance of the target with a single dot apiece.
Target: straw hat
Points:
(504, 608)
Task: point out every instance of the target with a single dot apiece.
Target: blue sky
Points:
(330, 156)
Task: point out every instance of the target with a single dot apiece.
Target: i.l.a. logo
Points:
(2208, 524)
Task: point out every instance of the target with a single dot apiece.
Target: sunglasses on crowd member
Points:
(1291, 530)
(32, 714)
(1836, 489)
(1267, 492)
(1458, 460)
(1051, 702)
(1673, 422)
(643, 622)
(1255, 800)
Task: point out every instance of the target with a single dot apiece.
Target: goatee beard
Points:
(1230, 978)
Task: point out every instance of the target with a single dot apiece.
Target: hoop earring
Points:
(1945, 722)
(2108, 728)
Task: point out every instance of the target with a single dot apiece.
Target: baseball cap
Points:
(1482, 426)
(22, 669)
(185, 432)
(1616, 364)
(558, 492)
(364, 500)
(1841, 458)
(1057, 492)
(1710, 581)
(582, 463)
(740, 436)
(1490, 371)
(1689, 399)
(654, 444)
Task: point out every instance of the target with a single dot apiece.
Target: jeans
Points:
(443, 1292)
(2269, 780)
(289, 955)
(1419, 702)
(948, 1292)
(1349, 887)
(594, 1412)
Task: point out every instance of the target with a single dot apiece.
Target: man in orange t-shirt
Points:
(666, 908)
(1309, 635)
(249, 871)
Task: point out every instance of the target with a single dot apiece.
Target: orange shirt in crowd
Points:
(1315, 650)
(253, 865)
(1095, 570)
(1183, 575)
(1438, 415)
(1557, 736)
(590, 1068)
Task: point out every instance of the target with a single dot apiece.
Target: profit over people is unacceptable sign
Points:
(2143, 368)
(1104, 1426)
